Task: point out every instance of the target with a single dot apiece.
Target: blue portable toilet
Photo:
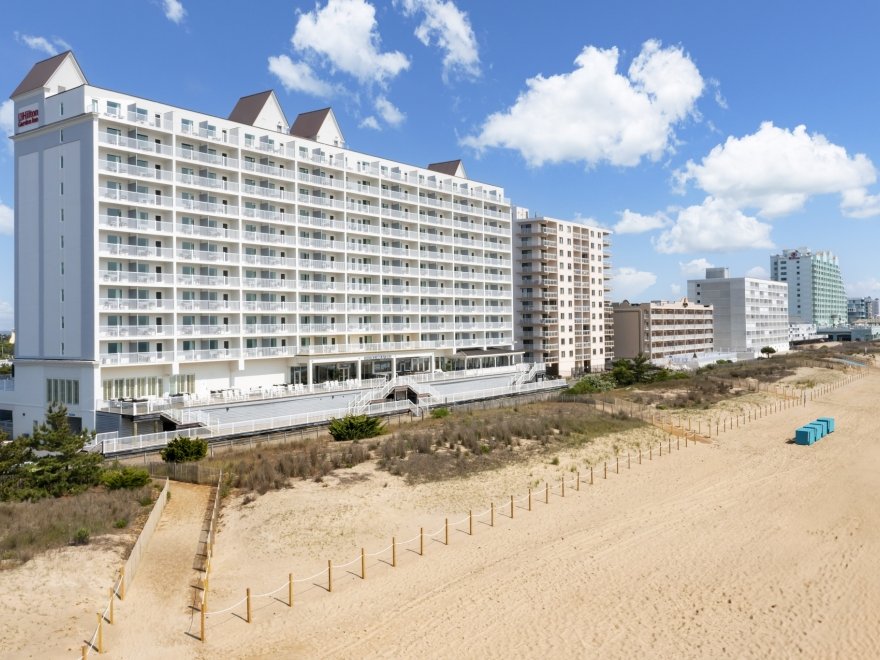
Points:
(829, 422)
(805, 435)
(819, 428)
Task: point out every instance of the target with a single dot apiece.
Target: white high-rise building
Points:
(815, 286)
(562, 272)
(749, 313)
(161, 250)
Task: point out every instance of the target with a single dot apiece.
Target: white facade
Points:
(562, 270)
(749, 313)
(161, 251)
(815, 286)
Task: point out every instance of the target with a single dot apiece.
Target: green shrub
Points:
(184, 450)
(147, 500)
(592, 383)
(82, 536)
(122, 523)
(356, 427)
(440, 413)
(125, 477)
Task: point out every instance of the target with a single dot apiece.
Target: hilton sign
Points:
(28, 116)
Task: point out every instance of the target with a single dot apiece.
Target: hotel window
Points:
(113, 108)
(62, 391)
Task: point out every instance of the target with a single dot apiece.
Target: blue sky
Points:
(700, 132)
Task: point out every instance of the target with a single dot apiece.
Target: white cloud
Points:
(676, 289)
(299, 77)
(719, 97)
(758, 272)
(862, 288)
(776, 171)
(7, 111)
(7, 316)
(635, 223)
(370, 122)
(713, 226)
(595, 114)
(7, 219)
(389, 113)
(343, 34)
(49, 45)
(859, 204)
(174, 10)
(627, 283)
(451, 30)
(695, 267)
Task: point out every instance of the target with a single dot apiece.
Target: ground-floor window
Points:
(59, 390)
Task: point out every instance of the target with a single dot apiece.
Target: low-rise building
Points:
(662, 329)
(862, 309)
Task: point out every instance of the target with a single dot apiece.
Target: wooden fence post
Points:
(202, 622)
(446, 530)
(492, 515)
(393, 552)
(363, 564)
(591, 475)
(628, 464)
(100, 639)
(640, 455)
(563, 485)
(578, 482)
(421, 541)
(122, 583)
(111, 605)
(617, 460)
(546, 493)
(290, 589)
(329, 576)
(511, 507)
(606, 469)
(248, 595)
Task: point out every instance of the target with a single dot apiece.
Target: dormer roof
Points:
(450, 167)
(320, 126)
(261, 110)
(42, 72)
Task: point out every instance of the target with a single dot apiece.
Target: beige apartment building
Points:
(561, 284)
(662, 329)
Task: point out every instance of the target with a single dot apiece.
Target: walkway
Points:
(154, 618)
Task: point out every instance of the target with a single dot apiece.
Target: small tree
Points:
(768, 351)
(184, 450)
(356, 427)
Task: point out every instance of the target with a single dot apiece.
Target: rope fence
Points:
(673, 432)
(789, 397)
(441, 534)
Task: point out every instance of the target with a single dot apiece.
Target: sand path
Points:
(153, 619)
(750, 547)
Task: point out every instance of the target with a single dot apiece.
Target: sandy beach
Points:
(746, 546)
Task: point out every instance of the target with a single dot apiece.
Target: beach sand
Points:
(746, 546)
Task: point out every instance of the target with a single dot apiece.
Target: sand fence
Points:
(127, 572)
(677, 435)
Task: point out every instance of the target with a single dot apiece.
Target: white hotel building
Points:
(161, 251)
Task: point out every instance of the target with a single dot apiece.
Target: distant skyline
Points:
(701, 134)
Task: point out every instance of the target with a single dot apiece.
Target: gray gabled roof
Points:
(248, 108)
(450, 167)
(40, 74)
(308, 124)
